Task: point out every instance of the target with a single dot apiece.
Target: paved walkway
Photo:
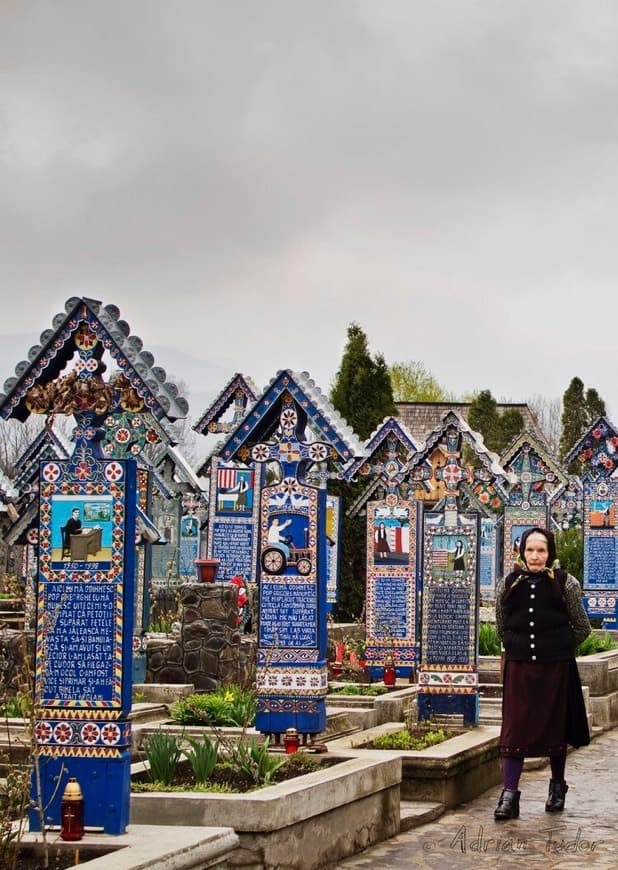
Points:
(584, 835)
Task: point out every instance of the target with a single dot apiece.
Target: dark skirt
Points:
(542, 709)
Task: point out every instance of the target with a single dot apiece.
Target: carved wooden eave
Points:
(527, 442)
(239, 390)
(46, 361)
(184, 474)
(262, 420)
(597, 449)
(45, 446)
(501, 479)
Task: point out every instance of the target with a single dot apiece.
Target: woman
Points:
(381, 547)
(459, 560)
(540, 620)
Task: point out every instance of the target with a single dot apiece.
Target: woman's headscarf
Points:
(520, 570)
(551, 544)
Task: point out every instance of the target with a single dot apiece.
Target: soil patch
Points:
(227, 778)
(60, 858)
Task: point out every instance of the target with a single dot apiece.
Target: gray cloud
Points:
(245, 179)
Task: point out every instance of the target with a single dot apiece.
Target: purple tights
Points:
(511, 771)
(512, 768)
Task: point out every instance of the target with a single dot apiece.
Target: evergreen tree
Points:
(363, 395)
(511, 424)
(483, 417)
(574, 416)
(498, 430)
(579, 411)
(362, 391)
(595, 406)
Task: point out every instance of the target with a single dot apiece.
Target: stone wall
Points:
(210, 650)
(16, 673)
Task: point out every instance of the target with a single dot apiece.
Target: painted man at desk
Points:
(79, 543)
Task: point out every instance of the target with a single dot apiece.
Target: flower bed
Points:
(451, 772)
(293, 821)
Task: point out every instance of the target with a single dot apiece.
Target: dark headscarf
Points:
(520, 571)
(551, 544)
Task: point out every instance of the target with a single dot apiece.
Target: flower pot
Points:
(206, 570)
(336, 669)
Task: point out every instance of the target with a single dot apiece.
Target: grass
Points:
(372, 690)
(406, 740)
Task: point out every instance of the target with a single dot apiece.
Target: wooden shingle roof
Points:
(421, 418)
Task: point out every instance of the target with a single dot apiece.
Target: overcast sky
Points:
(244, 179)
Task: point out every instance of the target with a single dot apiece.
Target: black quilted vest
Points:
(536, 624)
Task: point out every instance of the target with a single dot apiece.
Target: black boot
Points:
(508, 805)
(557, 793)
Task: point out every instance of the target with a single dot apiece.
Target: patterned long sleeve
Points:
(500, 608)
(578, 616)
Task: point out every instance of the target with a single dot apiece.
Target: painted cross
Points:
(293, 454)
(534, 477)
(291, 673)
(87, 522)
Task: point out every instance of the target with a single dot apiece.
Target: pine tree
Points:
(483, 417)
(498, 430)
(363, 395)
(595, 406)
(574, 415)
(362, 391)
(511, 424)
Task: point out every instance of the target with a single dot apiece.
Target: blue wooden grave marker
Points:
(448, 676)
(393, 529)
(293, 425)
(87, 537)
(597, 453)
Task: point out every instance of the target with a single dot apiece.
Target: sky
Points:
(244, 180)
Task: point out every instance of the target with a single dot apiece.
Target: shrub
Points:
(15, 707)
(202, 756)
(570, 551)
(489, 642)
(226, 706)
(254, 760)
(163, 752)
(595, 643)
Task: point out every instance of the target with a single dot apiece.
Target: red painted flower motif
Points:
(85, 339)
(113, 471)
(82, 471)
(260, 453)
(90, 733)
(51, 472)
(110, 734)
(63, 732)
(43, 732)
